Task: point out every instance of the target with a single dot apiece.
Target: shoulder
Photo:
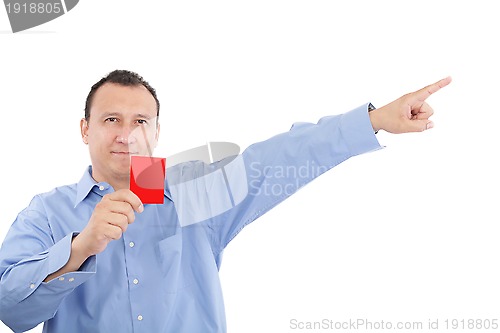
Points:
(58, 196)
(186, 171)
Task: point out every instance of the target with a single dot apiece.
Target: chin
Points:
(122, 169)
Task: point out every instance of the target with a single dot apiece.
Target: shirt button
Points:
(131, 244)
(135, 281)
(61, 278)
(101, 188)
(32, 286)
(139, 317)
(71, 279)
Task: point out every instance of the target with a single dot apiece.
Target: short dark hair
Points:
(124, 78)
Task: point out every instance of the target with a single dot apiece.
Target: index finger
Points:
(128, 196)
(425, 92)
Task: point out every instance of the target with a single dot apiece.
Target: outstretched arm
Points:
(409, 113)
(276, 168)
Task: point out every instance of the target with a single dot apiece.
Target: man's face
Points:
(122, 123)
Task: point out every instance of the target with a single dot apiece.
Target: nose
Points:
(126, 135)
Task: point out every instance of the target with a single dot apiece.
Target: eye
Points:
(142, 121)
(111, 120)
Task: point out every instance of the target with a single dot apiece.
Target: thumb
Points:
(419, 125)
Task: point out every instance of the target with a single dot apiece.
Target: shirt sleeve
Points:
(28, 255)
(268, 172)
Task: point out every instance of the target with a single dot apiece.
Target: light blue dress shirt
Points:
(162, 275)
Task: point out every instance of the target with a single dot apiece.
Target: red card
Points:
(147, 178)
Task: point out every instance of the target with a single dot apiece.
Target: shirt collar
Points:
(87, 183)
(84, 186)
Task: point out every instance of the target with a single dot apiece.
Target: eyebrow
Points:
(117, 114)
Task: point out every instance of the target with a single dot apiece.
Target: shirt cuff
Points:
(357, 131)
(58, 256)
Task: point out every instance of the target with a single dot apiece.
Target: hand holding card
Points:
(147, 178)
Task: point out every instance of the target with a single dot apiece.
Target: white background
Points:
(409, 233)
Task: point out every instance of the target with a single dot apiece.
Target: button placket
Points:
(134, 281)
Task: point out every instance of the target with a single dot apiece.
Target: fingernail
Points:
(141, 208)
(430, 125)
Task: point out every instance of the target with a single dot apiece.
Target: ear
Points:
(84, 128)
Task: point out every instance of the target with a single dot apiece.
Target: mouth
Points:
(123, 153)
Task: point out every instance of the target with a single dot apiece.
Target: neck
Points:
(117, 183)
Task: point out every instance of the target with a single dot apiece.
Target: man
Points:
(91, 257)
